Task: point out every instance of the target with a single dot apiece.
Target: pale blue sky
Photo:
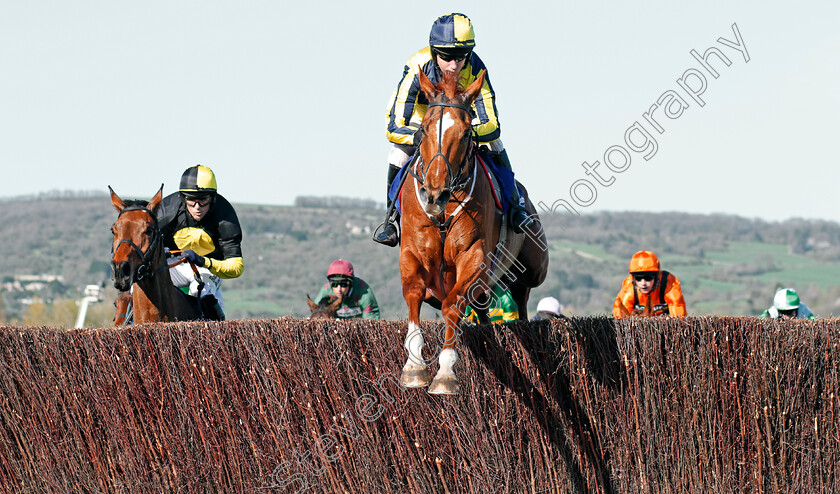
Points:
(283, 99)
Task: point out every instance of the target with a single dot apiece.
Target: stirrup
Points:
(386, 234)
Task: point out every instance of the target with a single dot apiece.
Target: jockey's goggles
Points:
(448, 56)
(342, 282)
(197, 201)
(644, 276)
(197, 198)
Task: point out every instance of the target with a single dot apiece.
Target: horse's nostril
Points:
(125, 269)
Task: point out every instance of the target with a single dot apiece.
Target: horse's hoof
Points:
(416, 378)
(444, 386)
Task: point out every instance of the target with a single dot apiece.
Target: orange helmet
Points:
(644, 261)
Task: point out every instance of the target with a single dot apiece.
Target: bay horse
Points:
(455, 245)
(139, 264)
(326, 309)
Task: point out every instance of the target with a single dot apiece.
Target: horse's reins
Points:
(128, 314)
(144, 270)
(456, 182)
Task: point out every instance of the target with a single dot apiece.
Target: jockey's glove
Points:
(194, 258)
(418, 137)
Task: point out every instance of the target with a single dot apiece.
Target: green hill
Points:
(727, 265)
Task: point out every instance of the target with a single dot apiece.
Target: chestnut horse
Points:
(123, 309)
(646, 312)
(454, 244)
(139, 263)
(326, 309)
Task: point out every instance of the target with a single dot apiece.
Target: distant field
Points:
(727, 265)
(595, 252)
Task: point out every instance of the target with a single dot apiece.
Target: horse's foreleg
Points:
(453, 309)
(415, 373)
(445, 382)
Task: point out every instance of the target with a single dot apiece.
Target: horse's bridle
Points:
(456, 182)
(145, 269)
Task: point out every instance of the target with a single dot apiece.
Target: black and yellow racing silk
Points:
(408, 104)
(217, 237)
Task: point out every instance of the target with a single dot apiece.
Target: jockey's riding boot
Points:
(386, 233)
(518, 215)
(211, 309)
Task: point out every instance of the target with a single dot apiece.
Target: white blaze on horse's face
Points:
(446, 122)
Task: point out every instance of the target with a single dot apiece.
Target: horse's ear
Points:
(155, 202)
(623, 310)
(426, 85)
(475, 87)
(312, 305)
(336, 304)
(116, 201)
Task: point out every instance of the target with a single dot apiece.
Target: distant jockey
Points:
(786, 305)
(357, 299)
(645, 281)
(501, 307)
(548, 308)
(203, 224)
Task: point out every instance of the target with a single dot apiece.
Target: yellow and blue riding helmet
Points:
(452, 36)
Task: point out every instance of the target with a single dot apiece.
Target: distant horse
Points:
(326, 309)
(452, 250)
(646, 311)
(139, 263)
(123, 309)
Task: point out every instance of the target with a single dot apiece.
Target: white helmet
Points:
(550, 305)
(786, 299)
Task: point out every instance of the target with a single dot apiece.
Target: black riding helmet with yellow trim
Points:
(198, 182)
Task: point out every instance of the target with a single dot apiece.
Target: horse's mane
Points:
(450, 87)
(136, 204)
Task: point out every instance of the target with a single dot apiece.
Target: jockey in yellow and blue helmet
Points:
(451, 43)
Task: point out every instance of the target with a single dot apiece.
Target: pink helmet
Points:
(340, 268)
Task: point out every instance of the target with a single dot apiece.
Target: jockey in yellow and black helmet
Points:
(450, 50)
(204, 225)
